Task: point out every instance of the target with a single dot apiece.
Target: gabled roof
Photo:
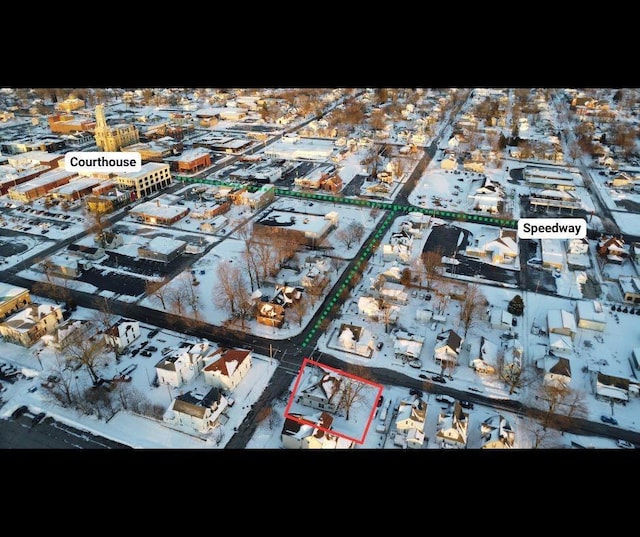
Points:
(228, 363)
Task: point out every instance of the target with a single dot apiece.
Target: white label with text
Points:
(552, 228)
(102, 161)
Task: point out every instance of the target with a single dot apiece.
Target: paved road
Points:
(22, 433)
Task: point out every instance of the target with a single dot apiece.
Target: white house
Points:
(410, 421)
(312, 432)
(319, 389)
(196, 412)
(557, 370)
(496, 433)
(122, 333)
(453, 429)
(407, 347)
(228, 368)
(486, 361)
(181, 366)
(447, 348)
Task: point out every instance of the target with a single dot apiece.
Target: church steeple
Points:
(112, 139)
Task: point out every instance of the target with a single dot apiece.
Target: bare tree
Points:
(352, 393)
(249, 256)
(351, 234)
(431, 263)
(158, 290)
(85, 346)
(561, 404)
(179, 294)
(473, 304)
(298, 309)
(105, 321)
(224, 295)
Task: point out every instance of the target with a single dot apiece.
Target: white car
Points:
(625, 444)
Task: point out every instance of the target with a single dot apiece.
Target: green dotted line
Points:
(343, 289)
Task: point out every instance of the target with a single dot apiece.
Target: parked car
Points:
(414, 391)
(146, 353)
(608, 419)
(380, 400)
(625, 444)
(466, 404)
(423, 376)
(441, 398)
(38, 418)
(19, 411)
(128, 370)
(438, 378)
(379, 345)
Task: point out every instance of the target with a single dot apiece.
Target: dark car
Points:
(19, 411)
(414, 391)
(609, 419)
(380, 400)
(38, 418)
(379, 345)
(439, 378)
(514, 321)
(466, 404)
(423, 376)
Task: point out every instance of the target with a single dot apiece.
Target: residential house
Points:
(489, 197)
(315, 278)
(453, 428)
(312, 432)
(410, 421)
(270, 314)
(613, 250)
(447, 349)
(121, 334)
(320, 389)
(228, 368)
(180, 366)
(12, 298)
(407, 347)
(578, 257)
(512, 360)
(496, 433)
(502, 250)
(556, 370)
(195, 412)
(560, 345)
(26, 326)
(486, 361)
(356, 339)
(393, 292)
